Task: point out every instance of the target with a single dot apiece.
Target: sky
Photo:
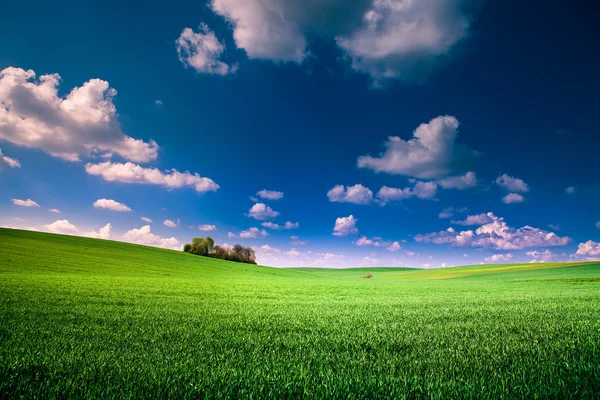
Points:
(322, 133)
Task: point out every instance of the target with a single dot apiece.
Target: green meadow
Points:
(100, 319)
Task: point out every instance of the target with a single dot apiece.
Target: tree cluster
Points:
(206, 247)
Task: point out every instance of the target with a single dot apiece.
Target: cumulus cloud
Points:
(588, 249)
(293, 253)
(513, 198)
(202, 51)
(512, 184)
(421, 189)
(103, 233)
(261, 211)
(146, 219)
(448, 212)
(369, 261)
(132, 173)
(432, 153)
(496, 234)
(145, 236)
(499, 257)
(406, 39)
(460, 182)
(109, 204)
(291, 225)
(231, 235)
(25, 203)
(329, 260)
(376, 242)
(345, 226)
(170, 223)
(537, 256)
(207, 228)
(479, 219)
(266, 247)
(251, 233)
(288, 225)
(400, 39)
(357, 194)
(270, 194)
(54, 210)
(62, 226)
(7, 162)
(82, 123)
(394, 247)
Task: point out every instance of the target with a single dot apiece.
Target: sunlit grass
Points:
(88, 318)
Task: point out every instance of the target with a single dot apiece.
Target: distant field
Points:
(89, 318)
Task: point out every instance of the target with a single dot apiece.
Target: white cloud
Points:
(498, 257)
(329, 259)
(158, 102)
(293, 253)
(25, 203)
(266, 247)
(394, 247)
(146, 219)
(496, 234)
(103, 233)
(170, 223)
(402, 39)
(570, 190)
(345, 226)
(448, 212)
(291, 225)
(512, 198)
(598, 224)
(261, 211)
(54, 210)
(376, 242)
(109, 204)
(231, 235)
(460, 182)
(252, 233)
(588, 249)
(369, 261)
(537, 256)
(271, 225)
(357, 194)
(202, 51)
(270, 194)
(479, 219)
(432, 153)
(7, 162)
(82, 123)
(406, 39)
(62, 226)
(512, 184)
(266, 29)
(207, 228)
(288, 225)
(145, 236)
(422, 190)
(132, 173)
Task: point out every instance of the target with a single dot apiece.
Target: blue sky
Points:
(426, 113)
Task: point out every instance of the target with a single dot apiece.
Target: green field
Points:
(89, 318)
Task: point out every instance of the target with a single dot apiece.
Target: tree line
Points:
(206, 247)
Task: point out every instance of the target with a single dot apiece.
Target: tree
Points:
(206, 247)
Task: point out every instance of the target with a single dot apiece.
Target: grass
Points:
(88, 318)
